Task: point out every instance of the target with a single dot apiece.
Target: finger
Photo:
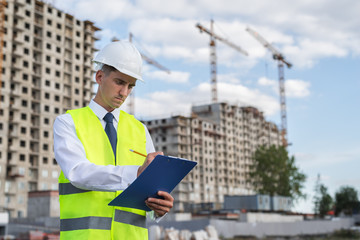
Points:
(165, 195)
(159, 210)
(152, 155)
(147, 161)
(156, 207)
(164, 204)
(160, 202)
(157, 153)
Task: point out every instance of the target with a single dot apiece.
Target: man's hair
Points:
(108, 69)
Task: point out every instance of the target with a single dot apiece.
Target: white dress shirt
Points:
(70, 155)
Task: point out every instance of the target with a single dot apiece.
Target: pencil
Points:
(137, 152)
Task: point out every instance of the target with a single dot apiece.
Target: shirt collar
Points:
(100, 112)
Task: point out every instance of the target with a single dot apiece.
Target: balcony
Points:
(34, 161)
(17, 26)
(181, 197)
(35, 121)
(18, 39)
(20, 3)
(34, 147)
(15, 104)
(69, 21)
(39, 22)
(36, 82)
(37, 73)
(68, 46)
(14, 133)
(87, 83)
(37, 36)
(36, 100)
(17, 65)
(37, 45)
(13, 172)
(39, 8)
(10, 191)
(35, 135)
(33, 175)
(17, 53)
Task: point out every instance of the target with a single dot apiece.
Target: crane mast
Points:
(213, 58)
(277, 56)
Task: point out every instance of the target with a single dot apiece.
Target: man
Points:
(92, 146)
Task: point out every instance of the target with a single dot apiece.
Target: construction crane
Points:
(277, 56)
(2, 29)
(214, 37)
(131, 101)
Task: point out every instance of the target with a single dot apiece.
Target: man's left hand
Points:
(160, 206)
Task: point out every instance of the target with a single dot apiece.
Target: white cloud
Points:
(182, 53)
(294, 88)
(176, 9)
(247, 97)
(106, 35)
(167, 31)
(263, 81)
(297, 88)
(304, 31)
(309, 51)
(106, 10)
(315, 160)
(172, 77)
(165, 103)
(228, 78)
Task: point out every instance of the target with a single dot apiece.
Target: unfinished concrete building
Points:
(46, 69)
(222, 139)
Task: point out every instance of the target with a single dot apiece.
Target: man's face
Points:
(114, 88)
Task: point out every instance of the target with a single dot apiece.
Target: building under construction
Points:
(46, 69)
(222, 139)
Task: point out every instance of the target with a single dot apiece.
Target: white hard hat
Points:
(123, 56)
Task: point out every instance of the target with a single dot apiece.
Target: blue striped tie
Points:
(110, 131)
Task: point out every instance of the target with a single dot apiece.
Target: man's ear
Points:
(99, 76)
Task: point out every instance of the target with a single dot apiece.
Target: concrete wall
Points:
(229, 229)
(43, 204)
(268, 217)
(4, 220)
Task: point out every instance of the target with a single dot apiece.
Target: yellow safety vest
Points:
(85, 214)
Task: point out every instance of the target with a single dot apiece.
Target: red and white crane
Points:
(281, 61)
(213, 70)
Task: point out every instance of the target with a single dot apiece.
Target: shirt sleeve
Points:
(70, 155)
(152, 216)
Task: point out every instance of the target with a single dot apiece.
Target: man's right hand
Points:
(147, 161)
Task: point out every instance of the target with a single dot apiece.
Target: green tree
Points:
(275, 173)
(323, 202)
(346, 200)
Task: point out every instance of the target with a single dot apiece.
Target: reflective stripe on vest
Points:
(130, 218)
(102, 223)
(68, 188)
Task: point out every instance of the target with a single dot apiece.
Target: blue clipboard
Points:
(164, 173)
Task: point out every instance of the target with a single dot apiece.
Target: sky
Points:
(320, 38)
